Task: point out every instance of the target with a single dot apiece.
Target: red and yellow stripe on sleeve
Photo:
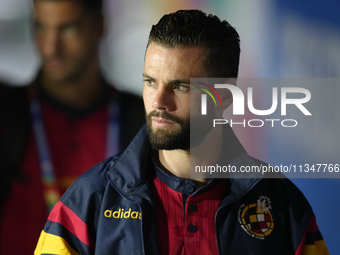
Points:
(64, 232)
(52, 244)
(312, 243)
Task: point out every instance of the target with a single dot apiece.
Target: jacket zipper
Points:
(140, 207)
(247, 191)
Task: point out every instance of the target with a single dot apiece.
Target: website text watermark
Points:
(264, 168)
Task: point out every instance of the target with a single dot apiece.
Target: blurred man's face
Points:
(166, 94)
(67, 38)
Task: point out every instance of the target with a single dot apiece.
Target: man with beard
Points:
(66, 121)
(144, 201)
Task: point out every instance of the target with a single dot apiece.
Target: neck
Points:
(79, 93)
(177, 162)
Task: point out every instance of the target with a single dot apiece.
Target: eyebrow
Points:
(177, 81)
(62, 24)
(147, 76)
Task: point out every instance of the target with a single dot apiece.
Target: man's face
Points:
(166, 94)
(67, 38)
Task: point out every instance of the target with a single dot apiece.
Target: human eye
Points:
(182, 87)
(149, 82)
(71, 29)
(38, 27)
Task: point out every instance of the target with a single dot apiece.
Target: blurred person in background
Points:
(67, 120)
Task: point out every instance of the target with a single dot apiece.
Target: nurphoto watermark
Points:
(228, 115)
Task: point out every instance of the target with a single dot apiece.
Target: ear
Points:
(226, 95)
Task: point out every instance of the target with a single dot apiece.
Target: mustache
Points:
(164, 115)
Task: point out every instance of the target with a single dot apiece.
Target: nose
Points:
(162, 100)
(49, 44)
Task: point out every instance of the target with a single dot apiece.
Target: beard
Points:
(164, 139)
(179, 139)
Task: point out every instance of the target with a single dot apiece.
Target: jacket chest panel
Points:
(120, 229)
(254, 223)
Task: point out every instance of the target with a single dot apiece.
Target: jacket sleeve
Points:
(312, 243)
(64, 233)
(71, 226)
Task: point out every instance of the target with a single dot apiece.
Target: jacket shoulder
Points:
(93, 179)
(75, 217)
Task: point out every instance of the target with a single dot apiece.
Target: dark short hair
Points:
(94, 7)
(218, 39)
